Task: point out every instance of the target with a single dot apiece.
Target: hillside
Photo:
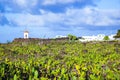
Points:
(60, 61)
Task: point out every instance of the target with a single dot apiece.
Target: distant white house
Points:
(26, 34)
(112, 37)
(117, 38)
(99, 37)
(60, 36)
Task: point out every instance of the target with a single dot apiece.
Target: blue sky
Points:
(48, 18)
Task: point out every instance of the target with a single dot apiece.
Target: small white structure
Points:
(60, 36)
(99, 37)
(26, 34)
(112, 37)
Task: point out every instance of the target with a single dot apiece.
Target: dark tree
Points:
(117, 35)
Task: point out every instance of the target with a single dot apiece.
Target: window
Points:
(26, 35)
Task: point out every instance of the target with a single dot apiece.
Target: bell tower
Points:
(26, 34)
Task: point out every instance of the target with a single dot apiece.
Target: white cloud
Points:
(20, 2)
(25, 3)
(92, 16)
(46, 2)
(25, 19)
(42, 11)
(35, 20)
(72, 17)
(51, 2)
(53, 17)
(106, 17)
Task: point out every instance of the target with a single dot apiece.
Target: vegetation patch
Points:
(60, 61)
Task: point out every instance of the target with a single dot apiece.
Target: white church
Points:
(26, 34)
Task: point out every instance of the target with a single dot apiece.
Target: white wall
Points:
(99, 37)
(26, 35)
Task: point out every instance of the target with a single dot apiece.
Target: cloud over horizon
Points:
(60, 17)
(84, 16)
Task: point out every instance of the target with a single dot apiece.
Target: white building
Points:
(60, 36)
(112, 37)
(99, 37)
(26, 34)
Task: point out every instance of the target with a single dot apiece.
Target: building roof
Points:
(26, 32)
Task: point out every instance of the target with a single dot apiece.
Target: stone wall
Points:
(39, 40)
